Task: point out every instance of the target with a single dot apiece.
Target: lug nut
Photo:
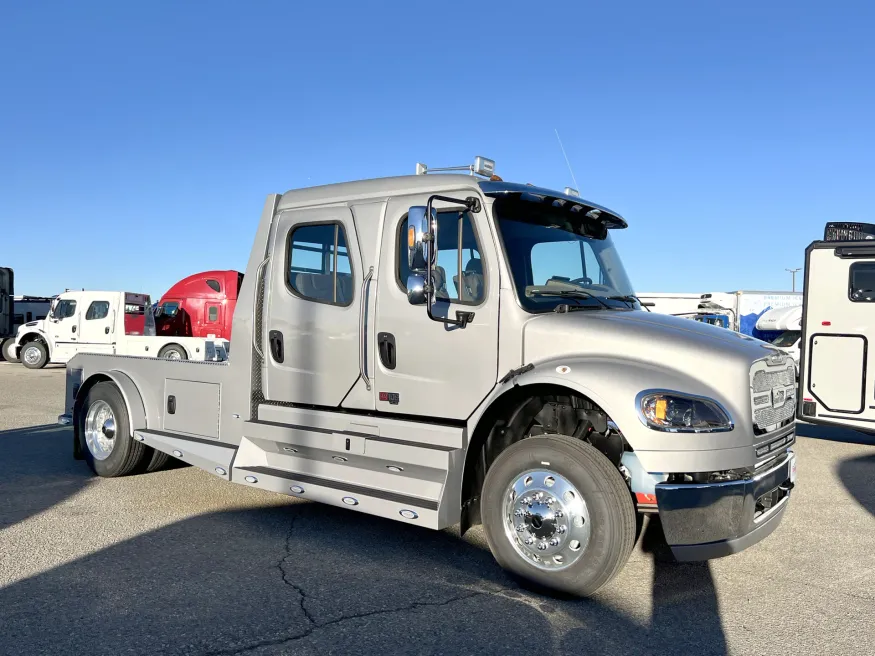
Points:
(554, 542)
(529, 540)
(518, 512)
(542, 546)
(559, 513)
(562, 529)
(521, 527)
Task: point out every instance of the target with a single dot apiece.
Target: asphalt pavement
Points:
(179, 562)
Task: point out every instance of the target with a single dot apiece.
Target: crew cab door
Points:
(311, 319)
(424, 367)
(837, 368)
(63, 330)
(96, 326)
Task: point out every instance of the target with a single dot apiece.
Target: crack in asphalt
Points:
(315, 625)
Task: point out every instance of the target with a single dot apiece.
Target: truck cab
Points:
(200, 305)
(445, 349)
(837, 369)
(7, 304)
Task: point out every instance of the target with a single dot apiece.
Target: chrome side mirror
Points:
(420, 237)
(416, 289)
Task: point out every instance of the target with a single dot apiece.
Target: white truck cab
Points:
(102, 322)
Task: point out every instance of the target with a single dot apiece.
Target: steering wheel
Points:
(583, 279)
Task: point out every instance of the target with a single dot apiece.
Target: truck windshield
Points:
(787, 338)
(560, 258)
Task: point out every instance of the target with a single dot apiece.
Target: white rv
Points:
(782, 327)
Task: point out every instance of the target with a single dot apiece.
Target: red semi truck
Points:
(200, 305)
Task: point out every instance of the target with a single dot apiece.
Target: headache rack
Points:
(841, 231)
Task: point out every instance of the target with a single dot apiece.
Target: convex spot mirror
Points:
(420, 252)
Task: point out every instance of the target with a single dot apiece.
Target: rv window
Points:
(97, 310)
(214, 285)
(213, 313)
(458, 257)
(861, 286)
(318, 264)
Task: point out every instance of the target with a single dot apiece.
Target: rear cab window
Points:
(318, 267)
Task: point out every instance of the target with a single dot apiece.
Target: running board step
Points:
(210, 455)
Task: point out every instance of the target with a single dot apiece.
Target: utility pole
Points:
(793, 273)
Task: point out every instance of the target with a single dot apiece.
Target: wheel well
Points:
(32, 337)
(177, 345)
(530, 410)
(77, 406)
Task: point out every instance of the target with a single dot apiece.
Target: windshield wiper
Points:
(569, 293)
(629, 298)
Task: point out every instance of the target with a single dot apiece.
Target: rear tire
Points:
(525, 487)
(157, 462)
(173, 352)
(8, 350)
(108, 448)
(34, 355)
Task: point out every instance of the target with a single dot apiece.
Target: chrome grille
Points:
(768, 380)
(772, 394)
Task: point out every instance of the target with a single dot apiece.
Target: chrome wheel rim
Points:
(546, 519)
(32, 355)
(172, 354)
(100, 430)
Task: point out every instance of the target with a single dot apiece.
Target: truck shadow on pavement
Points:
(311, 579)
(37, 471)
(858, 475)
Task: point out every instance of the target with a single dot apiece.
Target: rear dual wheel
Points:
(558, 515)
(8, 350)
(105, 436)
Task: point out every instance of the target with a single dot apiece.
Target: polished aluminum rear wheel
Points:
(100, 429)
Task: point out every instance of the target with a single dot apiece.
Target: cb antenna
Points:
(573, 179)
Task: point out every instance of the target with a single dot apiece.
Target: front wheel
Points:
(8, 350)
(558, 514)
(34, 355)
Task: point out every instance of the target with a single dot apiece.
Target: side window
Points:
(318, 264)
(861, 286)
(214, 285)
(458, 275)
(97, 310)
(213, 313)
(65, 309)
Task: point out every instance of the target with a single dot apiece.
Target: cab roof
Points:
(406, 185)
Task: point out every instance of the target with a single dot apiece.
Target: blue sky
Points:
(139, 140)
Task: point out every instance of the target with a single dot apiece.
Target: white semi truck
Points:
(456, 349)
(119, 323)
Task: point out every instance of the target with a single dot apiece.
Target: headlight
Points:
(680, 413)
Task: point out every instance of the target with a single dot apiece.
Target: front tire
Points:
(558, 515)
(34, 355)
(8, 350)
(105, 435)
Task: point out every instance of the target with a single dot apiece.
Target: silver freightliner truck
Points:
(455, 349)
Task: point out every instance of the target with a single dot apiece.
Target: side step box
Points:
(210, 455)
(395, 469)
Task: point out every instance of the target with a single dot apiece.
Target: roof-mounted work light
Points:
(482, 166)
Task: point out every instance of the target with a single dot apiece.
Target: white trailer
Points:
(676, 303)
(740, 310)
(113, 323)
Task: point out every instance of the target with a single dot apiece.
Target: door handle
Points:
(276, 346)
(386, 346)
(74, 329)
(106, 331)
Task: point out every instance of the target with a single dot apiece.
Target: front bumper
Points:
(712, 520)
